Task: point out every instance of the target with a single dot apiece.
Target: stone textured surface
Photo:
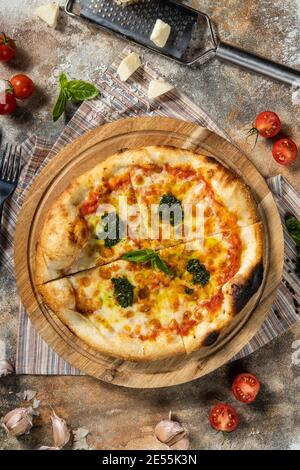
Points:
(117, 417)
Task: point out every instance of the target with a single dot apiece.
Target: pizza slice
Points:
(93, 222)
(121, 309)
(184, 196)
(221, 275)
(213, 280)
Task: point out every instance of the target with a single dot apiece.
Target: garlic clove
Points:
(5, 368)
(48, 448)
(18, 421)
(61, 433)
(182, 444)
(169, 432)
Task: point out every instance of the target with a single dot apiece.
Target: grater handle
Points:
(258, 64)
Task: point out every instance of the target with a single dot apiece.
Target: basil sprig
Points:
(72, 90)
(293, 226)
(148, 256)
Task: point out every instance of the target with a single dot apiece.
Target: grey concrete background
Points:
(116, 417)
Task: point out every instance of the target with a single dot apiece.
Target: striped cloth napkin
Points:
(120, 100)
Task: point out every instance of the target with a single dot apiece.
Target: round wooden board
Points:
(80, 156)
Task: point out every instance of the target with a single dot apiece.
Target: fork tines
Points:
(10, 164)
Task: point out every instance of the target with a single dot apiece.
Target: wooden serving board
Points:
(82, 155)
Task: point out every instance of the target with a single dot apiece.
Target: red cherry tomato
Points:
(285, 151)
(245, 387)
(7, 48)
(267, 124)
(10, 104)
(22, 86)
(223, 417)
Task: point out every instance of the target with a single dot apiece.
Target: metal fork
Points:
(9, 174)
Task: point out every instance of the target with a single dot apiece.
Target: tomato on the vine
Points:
(9, 104)
(267, 125)
(7, 48)
(285, 151)
(245, 387)
(223, 418)
(22, 85)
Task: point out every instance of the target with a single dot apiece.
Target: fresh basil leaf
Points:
(147, 255)
(81, 91)
(160, 264)
(59, 106)
(139, 256)
(63, 80)
(73, 90)
(293, 226)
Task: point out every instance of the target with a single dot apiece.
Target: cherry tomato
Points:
(22, 86)
(245, 387)
(267, 124)
(10, 104)
(7, 48)
(285, 151)
(223, 417)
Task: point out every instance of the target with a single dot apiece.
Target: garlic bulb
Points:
(172, 434)
(5, 368)
(18, 421)
(61, 433)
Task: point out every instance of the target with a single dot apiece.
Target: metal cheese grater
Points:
(192, 36)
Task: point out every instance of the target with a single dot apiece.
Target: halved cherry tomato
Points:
(10, 104)
(285, 151)
(224, 418)
(7, 48)
(22, 86)
(267, 124)
(245, 387)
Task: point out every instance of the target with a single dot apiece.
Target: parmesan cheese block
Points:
(128, 66)
(158, 88)
(160, 33)
(48, 13)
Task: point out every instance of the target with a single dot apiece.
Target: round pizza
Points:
(152, 253)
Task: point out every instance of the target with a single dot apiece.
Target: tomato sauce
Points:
(215, 302)
(180, 172)
(186, 326)
(90, 206)
(234, 256)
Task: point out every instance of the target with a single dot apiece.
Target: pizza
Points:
(152, 253)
